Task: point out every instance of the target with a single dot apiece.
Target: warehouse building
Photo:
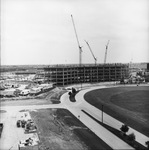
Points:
(63, 75)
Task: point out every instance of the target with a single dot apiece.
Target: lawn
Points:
(130, 105)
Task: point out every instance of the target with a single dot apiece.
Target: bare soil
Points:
(59, 129)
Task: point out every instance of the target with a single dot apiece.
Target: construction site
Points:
(72, 74)
(43, 114)
(62, 75)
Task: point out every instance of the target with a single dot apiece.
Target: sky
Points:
(42, 32)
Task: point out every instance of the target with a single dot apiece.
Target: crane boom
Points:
(106, 51)
(80, 48)
(91, 52)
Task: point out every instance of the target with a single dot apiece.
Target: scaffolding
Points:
(63, 75)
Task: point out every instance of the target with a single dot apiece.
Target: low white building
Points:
(46, 86)
(35, 90)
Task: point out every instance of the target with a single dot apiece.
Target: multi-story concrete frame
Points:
(71, 74)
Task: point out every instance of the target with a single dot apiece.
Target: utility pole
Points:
(91, 52)
(106, 51)
(102, 113)
(80, 48)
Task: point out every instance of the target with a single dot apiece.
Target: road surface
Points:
(11, 136)
(96, 113)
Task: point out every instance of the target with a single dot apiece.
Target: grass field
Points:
(130, 105)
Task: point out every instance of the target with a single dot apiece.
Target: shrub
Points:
(131, 137)
(74, 90)
(147, 144)
(69, 93)
(124, 128)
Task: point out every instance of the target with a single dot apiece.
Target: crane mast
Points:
(106, 51)
(91, 52)
(80, 48)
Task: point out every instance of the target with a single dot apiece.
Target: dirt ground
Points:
(59, 129)
(127, 104)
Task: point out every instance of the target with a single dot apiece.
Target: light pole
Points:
(102, 113)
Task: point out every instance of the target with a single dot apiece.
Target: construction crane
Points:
(106, 51)
(80, 48)
(91, 52)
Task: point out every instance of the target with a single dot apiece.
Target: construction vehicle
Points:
(91, 52)
(30, 127)
(21, 123)
(18, 123)
(106, 52)
(80, 48)
(29, 144)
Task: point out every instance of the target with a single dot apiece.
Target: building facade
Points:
(63, 75)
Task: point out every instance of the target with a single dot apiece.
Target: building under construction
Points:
(63, 75)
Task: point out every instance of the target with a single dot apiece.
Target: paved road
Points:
(75, 108)
(10, 134)
(14, 109)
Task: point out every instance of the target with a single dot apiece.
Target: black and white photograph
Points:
(74, 75)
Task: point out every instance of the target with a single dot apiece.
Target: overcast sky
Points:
(41, 31)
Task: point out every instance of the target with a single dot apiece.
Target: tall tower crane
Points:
(80, 48)
(106, 51)
(91, 52)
